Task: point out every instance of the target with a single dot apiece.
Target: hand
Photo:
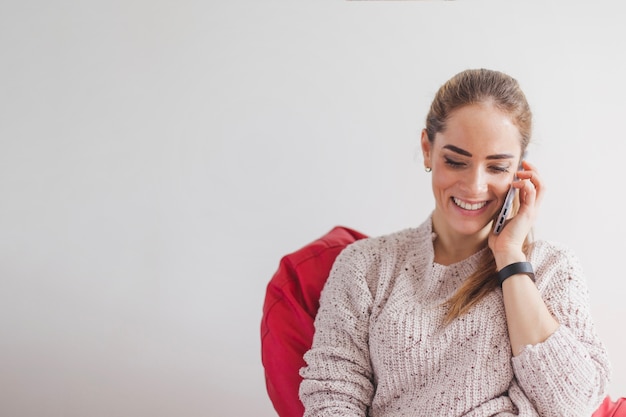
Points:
(508, 244)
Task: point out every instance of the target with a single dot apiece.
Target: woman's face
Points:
(473, 162)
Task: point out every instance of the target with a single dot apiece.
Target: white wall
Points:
(158, 158)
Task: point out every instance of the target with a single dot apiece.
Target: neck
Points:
(451, 247)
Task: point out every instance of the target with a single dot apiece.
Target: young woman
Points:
(449, 318)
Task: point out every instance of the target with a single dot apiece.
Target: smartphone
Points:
(508, 203)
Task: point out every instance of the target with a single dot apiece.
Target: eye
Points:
(499, 168)
(454, 164)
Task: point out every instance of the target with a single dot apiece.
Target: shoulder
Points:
(390, 245)
(550, 253)
(377, 258)
(556, 264)
(373, 263)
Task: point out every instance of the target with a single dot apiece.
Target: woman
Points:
(450, 319)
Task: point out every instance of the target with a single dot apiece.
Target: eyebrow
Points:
(466, 153)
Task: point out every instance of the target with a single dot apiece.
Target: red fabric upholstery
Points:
(610, 408)
(291, 303)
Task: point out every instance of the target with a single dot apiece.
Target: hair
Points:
(476, 86)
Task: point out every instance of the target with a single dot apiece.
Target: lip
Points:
(469, 212)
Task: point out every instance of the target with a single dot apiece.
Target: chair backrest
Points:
(291, 303)
(611, 408)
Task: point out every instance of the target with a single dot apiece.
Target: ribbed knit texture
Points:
(380, 348)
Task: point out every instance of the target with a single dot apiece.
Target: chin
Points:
(470, 227)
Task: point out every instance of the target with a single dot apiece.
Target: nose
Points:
(476, 182)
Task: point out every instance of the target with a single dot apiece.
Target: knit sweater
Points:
(380, 348)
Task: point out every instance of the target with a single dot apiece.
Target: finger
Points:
(529, 191)
(528, 166)
(531, 175)
(534, 178)
(530, 172)
(529, 195)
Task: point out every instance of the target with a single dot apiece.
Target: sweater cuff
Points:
(558, 373)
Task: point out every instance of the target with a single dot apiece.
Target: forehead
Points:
(480, 129)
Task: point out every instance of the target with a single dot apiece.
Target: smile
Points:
(468, 206)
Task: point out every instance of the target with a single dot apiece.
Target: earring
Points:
(428, 169)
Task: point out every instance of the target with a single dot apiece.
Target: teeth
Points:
(468, 206)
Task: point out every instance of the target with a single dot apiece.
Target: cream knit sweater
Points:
(380, 348)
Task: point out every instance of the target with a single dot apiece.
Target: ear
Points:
(426, 149)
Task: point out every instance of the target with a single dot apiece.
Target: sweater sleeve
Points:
(337, 378)
(567, 374)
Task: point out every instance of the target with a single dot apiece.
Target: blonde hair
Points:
(503, 91)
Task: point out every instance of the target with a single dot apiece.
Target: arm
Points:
(558, 361)
(528, 319)
(338, 377)
(568, 373)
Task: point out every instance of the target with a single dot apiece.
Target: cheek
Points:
(501, 186)
(444, 180)
(501, 190)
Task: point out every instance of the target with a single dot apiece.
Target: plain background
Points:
(159, 157)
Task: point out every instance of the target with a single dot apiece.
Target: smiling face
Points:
(473, 162)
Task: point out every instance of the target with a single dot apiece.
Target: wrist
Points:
(504, 259)
(516, 268)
